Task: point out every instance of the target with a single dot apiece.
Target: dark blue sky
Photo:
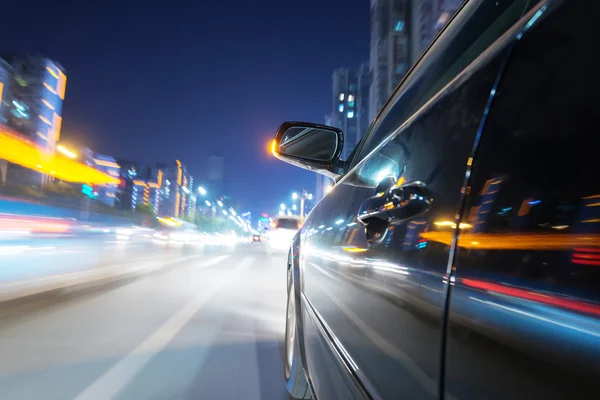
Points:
(187, 79)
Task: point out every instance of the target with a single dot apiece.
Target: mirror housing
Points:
(310, 146)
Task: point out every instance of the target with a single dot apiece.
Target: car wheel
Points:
(296, 383)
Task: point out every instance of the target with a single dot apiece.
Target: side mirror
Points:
(310, 146)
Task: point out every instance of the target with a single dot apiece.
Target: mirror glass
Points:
(309, 143)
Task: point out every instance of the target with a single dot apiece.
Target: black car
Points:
(458, 254)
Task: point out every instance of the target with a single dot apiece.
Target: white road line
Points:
(116, 378)
(213, 261)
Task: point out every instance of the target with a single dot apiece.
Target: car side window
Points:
(535, 173)
(474, 29)
(527, 269)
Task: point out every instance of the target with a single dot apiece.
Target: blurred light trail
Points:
(66, 151)
(22, 224)
(20, 150)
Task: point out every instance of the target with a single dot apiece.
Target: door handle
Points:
(397, 204)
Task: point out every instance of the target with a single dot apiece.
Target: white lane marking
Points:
(213, 261)
(117, 377)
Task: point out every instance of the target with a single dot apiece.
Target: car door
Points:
(524, 314)
(378, 292)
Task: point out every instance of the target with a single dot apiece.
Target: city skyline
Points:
(163, 88)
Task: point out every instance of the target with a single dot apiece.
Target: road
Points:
(210, 327)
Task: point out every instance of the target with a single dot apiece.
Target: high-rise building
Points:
(176, 190)
(390, 49)
(6, 78)
(400, 31)
(107, 194)
(37, 90)
(348, 103)
(127, 194)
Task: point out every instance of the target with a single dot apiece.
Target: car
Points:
(283, 229)
(256, 239)
(457, 255)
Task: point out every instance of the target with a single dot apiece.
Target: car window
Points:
(528, 256)
(476, 26)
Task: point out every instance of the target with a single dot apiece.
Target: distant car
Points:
(457, 255)
(256, 239)
(283, 229)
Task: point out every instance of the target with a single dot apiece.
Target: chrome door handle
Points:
(397, 204)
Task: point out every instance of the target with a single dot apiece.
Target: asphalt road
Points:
(208, 328)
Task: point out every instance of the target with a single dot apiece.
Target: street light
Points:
(303, 197)
(208, 203)
(202, 191)
(294, 207)
(282, 206)
(220, 203)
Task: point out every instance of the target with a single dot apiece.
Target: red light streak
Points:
(571, 304)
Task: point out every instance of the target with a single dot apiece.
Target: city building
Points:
(37, 91)
(106, 194)
(156, 174)
(6, 78)
(145, 192)
(190, 208)
(390, 55)
(126, 200)
(346, 114)
(176, 190)
(400, 31)
(6, 71)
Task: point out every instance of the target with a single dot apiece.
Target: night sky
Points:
(189, 79)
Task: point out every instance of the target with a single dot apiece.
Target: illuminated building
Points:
(6, 77)
(107, 194)
(190, 208)
(5, 99)
(140, 186)
(350, 105)
(127, 195)
(38, 91)
(176, 191)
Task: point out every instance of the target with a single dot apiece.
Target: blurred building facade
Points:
(177, 191)
(106, 194)
(32, 93)
(37, 92)
(6, 77)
